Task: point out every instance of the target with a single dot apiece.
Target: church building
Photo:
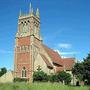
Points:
(30, 52)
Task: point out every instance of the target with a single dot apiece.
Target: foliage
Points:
(63, 76)
(82, 70)
(86, 65)
(40, 76)
(20, 79)
(78, 70)
(53, 78)
(3, 71)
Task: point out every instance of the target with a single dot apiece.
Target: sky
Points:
(65, 27)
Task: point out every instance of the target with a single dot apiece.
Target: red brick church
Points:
(31, 53)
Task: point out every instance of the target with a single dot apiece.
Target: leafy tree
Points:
(40, 76)
(82, 70)
(3, 71)
(86, 64)
(78, 70)
(63, 76)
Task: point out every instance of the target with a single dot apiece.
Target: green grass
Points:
(39, 86)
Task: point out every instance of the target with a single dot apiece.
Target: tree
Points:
(78, 70)
(40, 76)
(82, 70)
(86, 64)
(3, 71)
(64, 77)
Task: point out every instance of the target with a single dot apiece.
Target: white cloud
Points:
(67, 53)
(65, 45)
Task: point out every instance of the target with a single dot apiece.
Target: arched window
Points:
(24, 72)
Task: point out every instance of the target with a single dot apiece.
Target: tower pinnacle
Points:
(20, 12)
(30, 8)
(37, 13)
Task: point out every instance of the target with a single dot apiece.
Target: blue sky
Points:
(65, 26)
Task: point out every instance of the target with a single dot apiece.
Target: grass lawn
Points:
(39, 86)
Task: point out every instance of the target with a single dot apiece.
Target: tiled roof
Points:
(68, 64)
(55, 57)
(64, 63)
(46, 61)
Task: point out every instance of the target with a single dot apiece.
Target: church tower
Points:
(27, 44)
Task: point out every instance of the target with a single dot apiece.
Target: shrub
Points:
(53, 78)
(63, 76)
(20, 79)
(40, 76)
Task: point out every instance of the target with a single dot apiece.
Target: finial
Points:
(37, 13)
(20, 13)
(30, 8)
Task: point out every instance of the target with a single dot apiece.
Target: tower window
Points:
(28, 21)
(24, 72)
(21, 22)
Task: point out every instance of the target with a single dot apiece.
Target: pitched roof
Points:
(64, 63)
(46, 61)
(68, 64)
(55, 57)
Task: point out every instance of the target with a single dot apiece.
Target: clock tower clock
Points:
(27, 44)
